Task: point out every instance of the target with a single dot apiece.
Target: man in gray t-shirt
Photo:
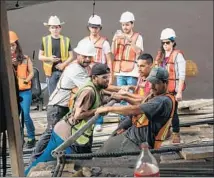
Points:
(158, 110)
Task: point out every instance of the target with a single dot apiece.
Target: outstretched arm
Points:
(124, 110)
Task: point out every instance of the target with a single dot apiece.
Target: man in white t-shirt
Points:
(127, 45)
(73, 77)
(103, 52)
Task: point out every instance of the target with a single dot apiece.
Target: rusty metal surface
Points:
(192, 21)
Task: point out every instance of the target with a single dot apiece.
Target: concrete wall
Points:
(192, 21)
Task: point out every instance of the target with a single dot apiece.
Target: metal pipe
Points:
(74, 137)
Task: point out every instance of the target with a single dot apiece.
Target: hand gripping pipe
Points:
(59, 150)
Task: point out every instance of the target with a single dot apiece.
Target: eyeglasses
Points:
(165, 42)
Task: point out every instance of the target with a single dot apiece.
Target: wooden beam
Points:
(9, 98)
(197, 153)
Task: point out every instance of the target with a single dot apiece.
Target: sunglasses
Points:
(165, 42)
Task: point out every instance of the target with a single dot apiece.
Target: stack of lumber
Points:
(195, 110)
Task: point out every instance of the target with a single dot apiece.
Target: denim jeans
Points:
(46, 156)
(125, 80)
(54, 114)
(175, 120)
(52, 81)
(25, 108)
(99, 121)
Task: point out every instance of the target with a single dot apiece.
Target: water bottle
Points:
(147, 165)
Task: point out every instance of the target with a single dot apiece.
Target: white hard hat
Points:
(53, 20)
(86, 48)
(95, 20)
(127, 17)
(167, 33)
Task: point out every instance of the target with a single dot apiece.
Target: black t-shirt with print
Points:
(56, 50)
(158, 111)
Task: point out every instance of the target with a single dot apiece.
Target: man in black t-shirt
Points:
(158, 112)
(55, 53)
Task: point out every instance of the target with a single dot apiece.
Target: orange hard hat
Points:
(13, 36)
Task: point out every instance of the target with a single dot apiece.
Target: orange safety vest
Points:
(142, 121)
(99, 50)
(71, 100)
(64, 46)
(170, 67)
(22, 73)
(124, 55)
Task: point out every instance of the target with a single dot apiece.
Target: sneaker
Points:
(30, 143)
(98, 128)
(176, 139)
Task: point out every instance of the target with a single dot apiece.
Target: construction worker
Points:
(151, 119)
(23, 68)
(141, 91)
(127, 45)
(103, 52)
(87, 99)
(145, 64)
(73, 77)
(173, 60)
(55, 53)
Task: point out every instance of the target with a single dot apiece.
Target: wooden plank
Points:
(195, 112)
(182, 161)
(201, 104)
(194, 103)
(207, 108)
(169, 156)
(197, 152)
(189, 130)
(196, 117)
(9, 98)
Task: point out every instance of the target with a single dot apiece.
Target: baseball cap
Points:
(100, 69)
(157, 74)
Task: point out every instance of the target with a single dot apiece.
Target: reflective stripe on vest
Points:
(161, 136)
(99, 50)
(124, 55)
(22, 73)
(47, 43)
(84, 138)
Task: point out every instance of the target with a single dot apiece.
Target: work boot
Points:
(176, 139)
(30, 143)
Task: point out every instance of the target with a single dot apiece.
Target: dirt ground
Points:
(192, 21)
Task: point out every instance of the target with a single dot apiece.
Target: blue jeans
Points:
(52, 81)
(46, 156)
(125, 80)
(25, 108)
(99, 121)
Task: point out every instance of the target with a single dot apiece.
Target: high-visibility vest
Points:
(47, 43)
(142, 121)
(124, 55)
(85, 137)
(170, 67)
(22, 73)
(99, 50)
